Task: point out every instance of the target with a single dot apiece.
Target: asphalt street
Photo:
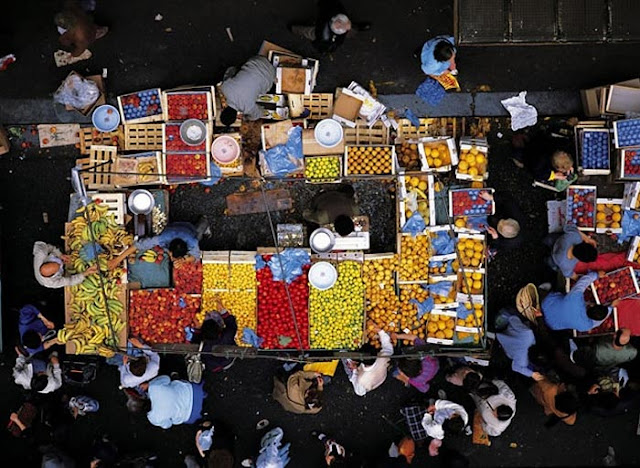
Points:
(140, 52)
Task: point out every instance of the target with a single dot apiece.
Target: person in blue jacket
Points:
(516, 338)
(438, 56)
(33, 328)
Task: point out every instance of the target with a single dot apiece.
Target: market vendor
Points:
(173, 402)
(180, 238)
(438, 56)
(34, 328)
(241, 90)
(336, 207)
(505, 224)
(48, 267)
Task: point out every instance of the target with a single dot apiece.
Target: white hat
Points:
(340, 24)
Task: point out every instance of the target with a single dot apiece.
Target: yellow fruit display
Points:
(414, 258)
(471, 282)
(336, 315)
(437, 154)
(473, 162)
(440, 326)
(608, 216)
(243, 276)
(322, 168)
(369, 160)
(407, 317)
(471, 252)
(418, 185)
(240, 304)
(408, 156)
(215, 276)
(382, 304)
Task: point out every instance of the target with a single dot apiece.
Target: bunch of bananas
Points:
(146, 170)
(149, 256)
(95, 305)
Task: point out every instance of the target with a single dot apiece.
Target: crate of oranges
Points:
(369, 160)
(471, 248)
(608, 215)
(413, 262)
(440, 154)
(415, 194)
(322, 169)
(382, 304)
(471, 281)
(441, 326)
(470, 322)
(634, 250)
(474, 161)
(444, 292)
(407, 319)
(443, 267)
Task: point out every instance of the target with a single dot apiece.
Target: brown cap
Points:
(528, 302)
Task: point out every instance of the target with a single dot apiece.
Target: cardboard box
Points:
(622, 99)
(99, 81)
(4, 142)
(595, 100)
(347, 107)
(267, 47)
(294, 80)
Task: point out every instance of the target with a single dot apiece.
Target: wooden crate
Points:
(89, 136)
(156, 117)
(116, 203)
(97, 168)
(320, 105)
(429, 127)
(143, 137)
(362, 134)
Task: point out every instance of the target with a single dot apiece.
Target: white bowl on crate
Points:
(323, 275)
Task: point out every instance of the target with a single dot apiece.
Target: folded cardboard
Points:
(595, 100)
(346, 107)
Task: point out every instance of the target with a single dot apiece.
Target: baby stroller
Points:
(77, 371)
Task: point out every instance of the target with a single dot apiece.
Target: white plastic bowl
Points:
(105, 118)
(328, 133)
(225, 149)
(193, 132)
(323, 275)
(322, 240)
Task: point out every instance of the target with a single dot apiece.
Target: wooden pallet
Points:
(429, 127)
(90, 136)
(361, 134)
(99, 177)
(143, 137)
(320, 105)
(115, 202)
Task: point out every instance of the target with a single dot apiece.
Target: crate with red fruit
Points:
(618, 284)
(470, 202)
(174, 143)
(607, 327)
(630, 163)
(581, 207)
(183, 105)
(141, 106)
(276, 323)
(161, 315)
(609, 215)
(187, 277)
(186, 168)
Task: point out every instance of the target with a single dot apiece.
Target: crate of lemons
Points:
(408, 320)
(473, 164)
(608, 215)
(471, 249)
(439, 155)
(369, 160)
(413, 264)
(469, 322)
(322, 169)
(419, 186)
(382, 304)
(336, 315)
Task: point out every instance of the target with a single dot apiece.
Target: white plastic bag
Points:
(77, 92)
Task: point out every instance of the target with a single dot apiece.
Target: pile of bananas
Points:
(95, 306)
(147, 171)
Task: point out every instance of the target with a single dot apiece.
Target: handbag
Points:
(195, 366)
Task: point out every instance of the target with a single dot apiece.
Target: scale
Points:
(141, 203)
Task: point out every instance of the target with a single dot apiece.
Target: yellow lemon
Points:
(448, 333)
(616, 217)
(600, 216)
(463, 166)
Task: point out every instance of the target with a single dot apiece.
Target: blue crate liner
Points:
(150, 104)
(595, 150)
(628, 132)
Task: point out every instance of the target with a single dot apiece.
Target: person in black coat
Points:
(506, 224)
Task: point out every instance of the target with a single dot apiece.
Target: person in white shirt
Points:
(134, 371)
(497, 406)
(36, 374)
(48, 267)
(366, 378)
(441, 418)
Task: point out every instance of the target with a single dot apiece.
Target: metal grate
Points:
(533, 21)
(482, 21)
(582, 20)
(625, 20)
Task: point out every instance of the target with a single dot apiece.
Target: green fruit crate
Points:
(332, 178)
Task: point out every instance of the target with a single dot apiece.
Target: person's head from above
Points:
(138, 365)
(48, 269)
(503, 413)
(178, 248)
(211, 330)
(453, 425)
(622, 338)
(508, 228)
(562, 161)
(335, 461)
(138, 405)
(313, 397)
(597, 312)
(340, 24)
(343, 225)
(444, 51)
(566, 402)
(228, 116)
(220, 458)
(31, 339)
(410, 367)
(584, 252)
(39, 382)
(486, 389)
(471, 381)
(407, 448)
